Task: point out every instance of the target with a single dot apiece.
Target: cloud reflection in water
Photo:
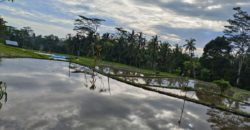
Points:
(42, 96)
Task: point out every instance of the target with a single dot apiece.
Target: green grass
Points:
(240, 94)
(14, 52)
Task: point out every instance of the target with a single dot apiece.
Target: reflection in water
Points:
(3, 93)
(59, 102)
(183, 106)
(198, 90)
(182, 110)
(92, 81)
(178, 83)
(70, 65)
(216, 99)
(119, 71)
(90, 78)
(224, 121)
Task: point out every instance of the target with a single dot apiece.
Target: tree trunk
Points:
(241, 61)
(93, 49)
(194, 74)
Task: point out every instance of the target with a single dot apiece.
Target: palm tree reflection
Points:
(3, 93)
(182, 109)
(91, 82)
(91, 76)
(183, 106)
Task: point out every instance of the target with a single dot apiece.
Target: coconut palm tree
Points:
(190, 46)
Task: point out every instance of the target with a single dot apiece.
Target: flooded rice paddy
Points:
(44, 94)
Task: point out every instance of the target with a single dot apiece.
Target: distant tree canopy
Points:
(87, 26)
(2, 28)
(6, 0)
(217, 58)
(238, 33)
(224, 58)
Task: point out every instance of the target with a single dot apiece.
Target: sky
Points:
(173, 20)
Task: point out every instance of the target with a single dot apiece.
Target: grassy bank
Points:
(90, 62)
(14, 52)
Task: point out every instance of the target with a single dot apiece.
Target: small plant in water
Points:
(186, 88)
(222, 84)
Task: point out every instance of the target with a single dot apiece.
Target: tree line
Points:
(225, 57)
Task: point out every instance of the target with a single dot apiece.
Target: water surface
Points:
(44, 95)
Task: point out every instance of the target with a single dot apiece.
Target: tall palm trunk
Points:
(241, 61)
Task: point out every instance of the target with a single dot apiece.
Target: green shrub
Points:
(205, 74)
(186, 88)
(177, 71)
(2, 40)
(224, 85)
(157, 72)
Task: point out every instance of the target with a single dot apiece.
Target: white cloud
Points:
(40, 28)
(243, 4)
(143, 18)
(189, 1)
(70, 2)
(36, 16)
(171, 37)
(199, 52)
(214, 7)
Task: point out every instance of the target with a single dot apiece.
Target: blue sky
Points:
(172, 20)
